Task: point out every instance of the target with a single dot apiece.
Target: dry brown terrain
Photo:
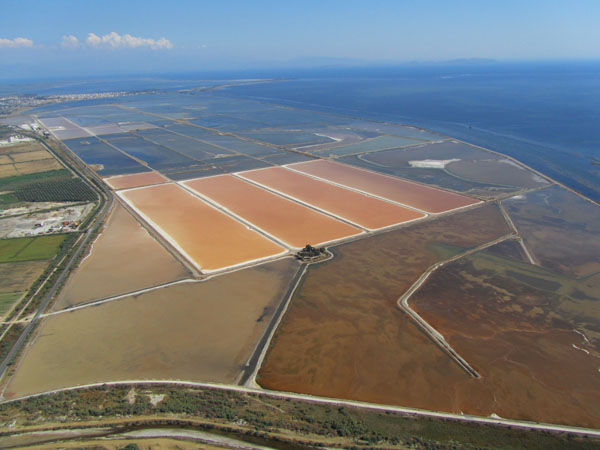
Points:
(18, 276)
(123, 259)
(24, 168)
(30, 146)
(199, 331)
(26, 158)
(515, 324)
(344, 335)
(288, 221)
(363, 210)
(135, 180)
(425, 198)
(206, 236)
(33, 155)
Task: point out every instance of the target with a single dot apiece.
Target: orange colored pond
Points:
(292, 223)
(358, 208)
(425, 198)
(209, 238)
(135, 180)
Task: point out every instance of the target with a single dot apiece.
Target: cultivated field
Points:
(17, 277)
(200, 331)
(124, 258)
(30, 248)
(344, 335)
(288, 221)
(26, 158)
(411, 194)
(358, 208)
(206, 236)
(7, 300)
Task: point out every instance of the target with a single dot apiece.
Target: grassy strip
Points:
(274, 419)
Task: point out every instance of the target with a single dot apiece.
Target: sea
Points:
(546, 114)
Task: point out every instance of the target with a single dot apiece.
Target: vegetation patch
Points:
(266, 420)
(68, 190)
(23, 181)
(30, 248)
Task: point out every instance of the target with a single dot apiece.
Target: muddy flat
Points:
(288, 221)
(123, 259)
(358, 208)
(199, 331)
(135, 180)
(207, 237)
(532, 334)
(344, 336)
(425, 198)
(559, 229)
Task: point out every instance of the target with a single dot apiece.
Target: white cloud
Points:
(69, 41)
(115, 40)
(16, 42)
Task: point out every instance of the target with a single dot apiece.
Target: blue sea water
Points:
(544, 114)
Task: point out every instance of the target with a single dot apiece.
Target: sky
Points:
(85, 37)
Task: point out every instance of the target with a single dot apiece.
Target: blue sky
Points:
(130, 35)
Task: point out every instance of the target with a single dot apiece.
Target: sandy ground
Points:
(200, 331)
(32, 207)
(124, 258)
(418, 196)
(288, 221)
(59, 220)
(135, 180)
(206, 236)
(363, 210)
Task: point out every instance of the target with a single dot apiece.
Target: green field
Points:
(21, 181)
(7, 300)
(30, 248)
(7, 199)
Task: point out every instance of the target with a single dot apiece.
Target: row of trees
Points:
(69, 190)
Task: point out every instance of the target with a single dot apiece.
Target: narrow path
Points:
(519, 237)
(117, 297)
(248, 375)
(429, 330)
